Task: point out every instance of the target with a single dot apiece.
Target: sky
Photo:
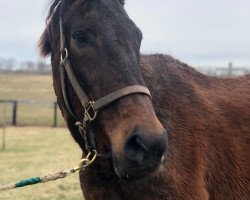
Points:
(198, 32)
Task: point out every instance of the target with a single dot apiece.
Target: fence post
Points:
(14, 115)
(55, 115)
(4, 125)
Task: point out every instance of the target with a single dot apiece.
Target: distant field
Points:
(38, 151)
(28, 87)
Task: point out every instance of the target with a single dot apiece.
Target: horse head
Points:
(103, 47)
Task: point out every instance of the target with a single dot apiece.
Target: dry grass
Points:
(28, 87)
(37, 151)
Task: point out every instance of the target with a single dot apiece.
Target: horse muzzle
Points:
(143, 154)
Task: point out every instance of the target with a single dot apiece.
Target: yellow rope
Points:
(7, 187)
(53, 177)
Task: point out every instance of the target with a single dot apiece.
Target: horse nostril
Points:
(139, 142)
(135, 149)
(145, 148)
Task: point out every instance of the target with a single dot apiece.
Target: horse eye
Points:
(81, 37)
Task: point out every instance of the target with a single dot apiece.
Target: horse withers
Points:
(189, 139)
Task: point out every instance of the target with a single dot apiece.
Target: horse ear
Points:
(44, 44)
(122, 2)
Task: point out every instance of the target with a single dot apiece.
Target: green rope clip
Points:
(26, 182)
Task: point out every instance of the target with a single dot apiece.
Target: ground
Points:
(26, 87)
(35, 151)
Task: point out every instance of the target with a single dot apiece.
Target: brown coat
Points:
(208, 124)
(206, 119)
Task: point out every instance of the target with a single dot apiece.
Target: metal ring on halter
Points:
(91, 157)
(64, 54)
(90, 112)
(86, 162)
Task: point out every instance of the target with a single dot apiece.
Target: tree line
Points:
(13, 66)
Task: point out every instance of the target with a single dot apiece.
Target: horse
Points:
(164, 131)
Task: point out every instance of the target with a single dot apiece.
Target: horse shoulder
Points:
(206, 117)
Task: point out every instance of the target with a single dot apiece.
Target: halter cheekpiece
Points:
(91, 107)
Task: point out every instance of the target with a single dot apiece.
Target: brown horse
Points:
(206, 119)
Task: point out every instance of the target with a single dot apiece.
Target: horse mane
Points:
(44, 44)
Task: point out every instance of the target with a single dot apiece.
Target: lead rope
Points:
(84, 163)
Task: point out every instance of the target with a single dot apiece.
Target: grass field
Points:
(34, 151)
(28, 87)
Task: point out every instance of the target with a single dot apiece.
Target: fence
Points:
(229, 71)
(30, 113)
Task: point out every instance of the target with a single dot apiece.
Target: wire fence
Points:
(30, 113)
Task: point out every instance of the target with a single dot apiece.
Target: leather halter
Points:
(91, 107)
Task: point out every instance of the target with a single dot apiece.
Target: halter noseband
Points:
(91, 108)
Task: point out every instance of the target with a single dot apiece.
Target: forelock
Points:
(44, 42)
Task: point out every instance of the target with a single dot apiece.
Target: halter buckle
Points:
(90, 112)
(64, 54)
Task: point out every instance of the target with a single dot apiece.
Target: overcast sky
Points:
(199, 32)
